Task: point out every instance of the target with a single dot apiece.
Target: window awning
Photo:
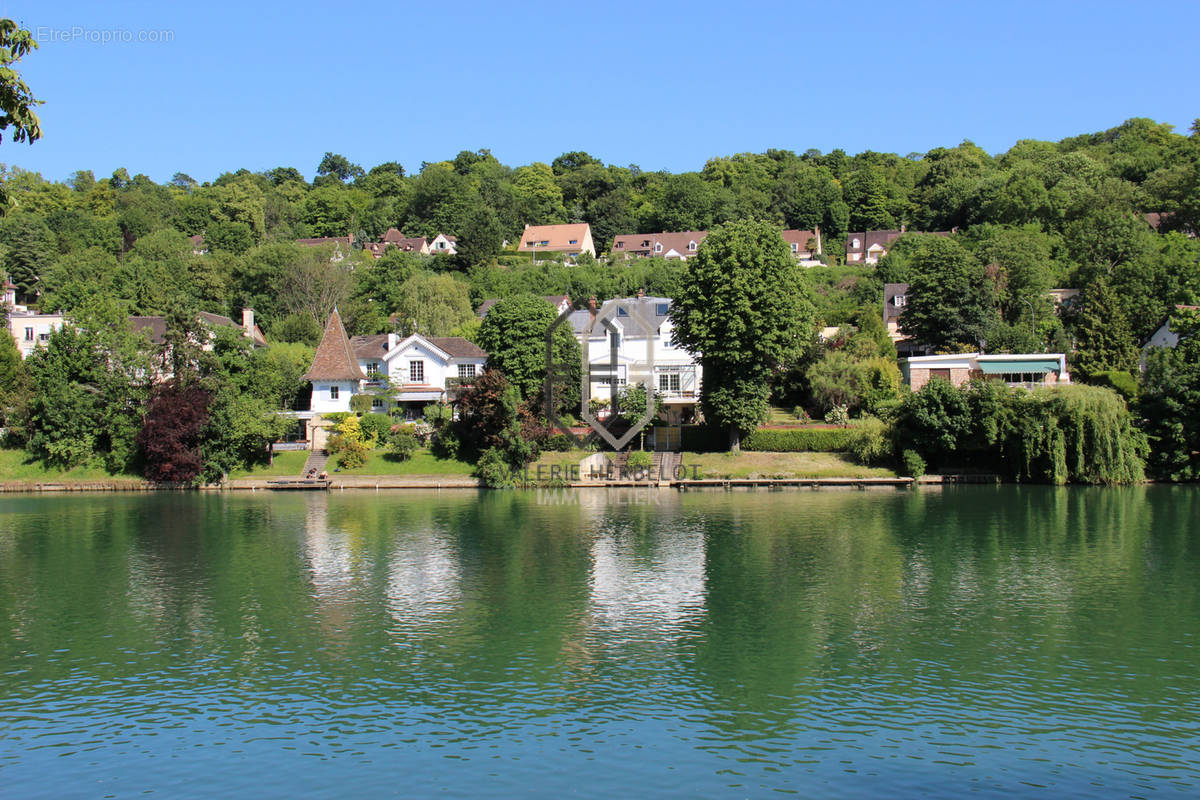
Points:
(1019, 365)
(412, 397)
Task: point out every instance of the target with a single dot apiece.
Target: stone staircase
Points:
(665, 463)
(317, 459)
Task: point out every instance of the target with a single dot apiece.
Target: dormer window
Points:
(692, 246)
(795, 247)
(661, 309)
(855, 244)
(620, 245)
(658, 247)
(898, 301)
(573, 241)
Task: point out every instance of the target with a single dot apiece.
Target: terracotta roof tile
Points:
(557, 237)
(334, 360)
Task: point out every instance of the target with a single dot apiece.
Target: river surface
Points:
(982, 641)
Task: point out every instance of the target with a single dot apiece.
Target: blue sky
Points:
(661, 85)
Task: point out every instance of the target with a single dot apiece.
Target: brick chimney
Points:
(641, 293)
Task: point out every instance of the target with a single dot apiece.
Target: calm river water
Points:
(990, 641)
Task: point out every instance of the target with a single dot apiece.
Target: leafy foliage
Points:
(743, 312)
(171, 435)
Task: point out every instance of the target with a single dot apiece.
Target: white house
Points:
(638, 331)
(443, 244)
(419, 369)
(335, 373)
(409, 373)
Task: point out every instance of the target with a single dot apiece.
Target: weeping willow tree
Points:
(1075, 434)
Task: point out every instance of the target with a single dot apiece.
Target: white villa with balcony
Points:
(645, 353)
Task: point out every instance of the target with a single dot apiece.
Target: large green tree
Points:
(1170, 401)
(514, 335)
(434, 305)
(743, 312)
(951, 298)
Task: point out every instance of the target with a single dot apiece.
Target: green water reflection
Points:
(1000, 641)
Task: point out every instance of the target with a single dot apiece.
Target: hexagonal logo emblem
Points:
(620, 322)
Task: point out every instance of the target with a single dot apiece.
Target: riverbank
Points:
(551, 470)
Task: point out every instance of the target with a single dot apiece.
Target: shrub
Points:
(798, 440)
(348, 443)
(838, 415)
(639, 460)
(352, 454)
(914, 465)
(360, 403)
(401, 445)
(869, 441)
(446, 443)
(494, 470)
(1121, 382)
(558, 443)
(437, 415)
(375, 427)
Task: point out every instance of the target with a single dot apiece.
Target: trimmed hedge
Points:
(703, 439)
(795, 440)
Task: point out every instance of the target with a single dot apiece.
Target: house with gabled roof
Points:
(805, 246)
(682, 245)
(412, 372)
(570, 239)
(639, 331)
(868, 247)
(442, 244)
(1163, 335)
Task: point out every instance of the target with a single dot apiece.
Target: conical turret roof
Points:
(334, 360)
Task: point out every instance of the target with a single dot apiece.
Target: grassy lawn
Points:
(779, 465)
(782, 416)
(288, 464)
(422, 463)
(17, 465)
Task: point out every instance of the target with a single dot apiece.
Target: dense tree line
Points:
(1112, 213)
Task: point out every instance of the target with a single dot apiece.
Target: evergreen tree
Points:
(1103, 337)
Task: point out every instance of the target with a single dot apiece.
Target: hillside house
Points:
(868, 247)
(680, 246)
(571, 240)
